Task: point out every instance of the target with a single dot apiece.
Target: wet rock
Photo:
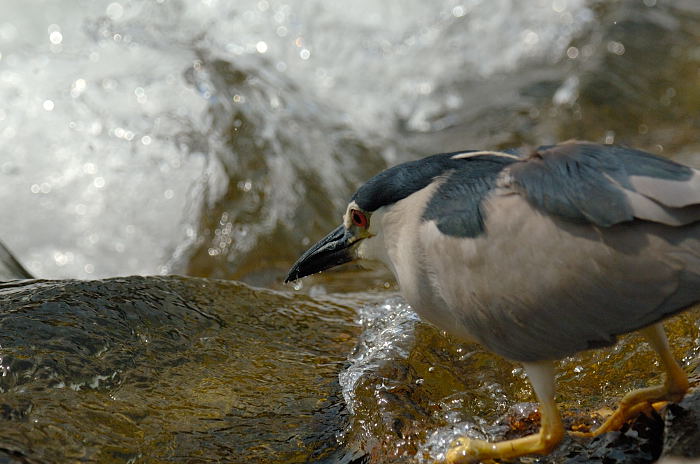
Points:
(290, 162)
(169, 369)
(682, 438)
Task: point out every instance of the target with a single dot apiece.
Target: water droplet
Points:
(114, 10)
(610, 137)
(559, 6)
(78, 87)
(530, 37)
(89, 168)
(56, 37)
(616, 48)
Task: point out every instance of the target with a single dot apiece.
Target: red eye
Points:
(358, 218)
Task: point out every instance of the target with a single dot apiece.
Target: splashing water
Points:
(387, 335)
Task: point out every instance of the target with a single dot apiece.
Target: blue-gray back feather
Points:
(607, 185)
(457, 205)
(580, 182)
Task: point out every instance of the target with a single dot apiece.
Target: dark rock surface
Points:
(168, 370)
(682, 438)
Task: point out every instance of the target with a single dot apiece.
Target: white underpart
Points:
(400, 234)
(374, 248)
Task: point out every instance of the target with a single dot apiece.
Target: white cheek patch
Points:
(347, 220)
(374, 248)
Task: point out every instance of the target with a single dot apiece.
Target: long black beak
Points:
(330, 251)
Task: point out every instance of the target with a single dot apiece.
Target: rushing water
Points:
(122, 122)
(219, 139)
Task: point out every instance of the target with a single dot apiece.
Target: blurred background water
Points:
(219, 139)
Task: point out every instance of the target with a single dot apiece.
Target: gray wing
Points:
(620, 238)
(537, 287)
(607, 185)
(582, 243)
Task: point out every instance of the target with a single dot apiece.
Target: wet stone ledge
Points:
(168, 369)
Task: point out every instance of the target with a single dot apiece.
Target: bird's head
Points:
(340, 246)
(360, 236)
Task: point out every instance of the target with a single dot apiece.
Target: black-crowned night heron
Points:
(536, 257)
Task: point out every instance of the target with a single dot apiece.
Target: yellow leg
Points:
(541, 375)
(637, 401)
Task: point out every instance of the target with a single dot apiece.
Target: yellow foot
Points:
(541, 375)
(465, 449)
(635, 403)
(638, 401)
(616, 420)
